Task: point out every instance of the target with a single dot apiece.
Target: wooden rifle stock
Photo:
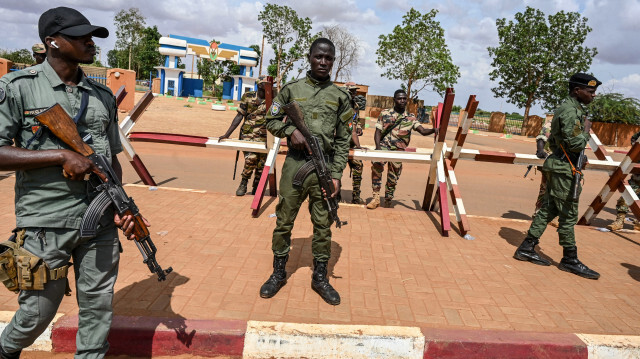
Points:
(56, 119)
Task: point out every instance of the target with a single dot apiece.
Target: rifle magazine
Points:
(89, 224)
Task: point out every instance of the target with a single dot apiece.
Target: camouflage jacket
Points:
(544, 134)
(254, 111)
(399, 137)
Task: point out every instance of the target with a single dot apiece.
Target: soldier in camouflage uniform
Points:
(569, 137)
(621, 207)
(39, 53)
(356, 130)
(393, 132)
(253, 109)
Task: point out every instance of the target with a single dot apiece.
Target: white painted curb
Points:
(611, 346)
(292, 340)
(43, 343)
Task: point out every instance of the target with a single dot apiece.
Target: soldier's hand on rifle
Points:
(127, 224)
(78, 168)
(336, 188)
(299, 142)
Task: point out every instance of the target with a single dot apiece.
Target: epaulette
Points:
(12, 76)
(291, 82)
(99, 85)
(344, 90)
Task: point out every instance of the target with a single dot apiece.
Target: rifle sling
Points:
(389, 129)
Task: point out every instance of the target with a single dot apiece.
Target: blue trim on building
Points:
(190, 40)
(166, 61)
(239, 88)
(243, 70)
(251, 72)
(233, 47)
(179, 86)
(248, 58)
(173, 47)
(162, 78)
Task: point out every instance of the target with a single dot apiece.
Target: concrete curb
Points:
(146, 336)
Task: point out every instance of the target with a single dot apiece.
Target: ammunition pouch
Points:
(23, 270)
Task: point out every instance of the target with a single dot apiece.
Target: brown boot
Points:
(618, 224)
(387, 202)
(375, 202)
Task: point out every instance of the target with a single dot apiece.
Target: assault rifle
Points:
(110, 192)
(577, 172)
(294, 113)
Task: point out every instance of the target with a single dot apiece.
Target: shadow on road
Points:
(511, 214)
(634, 271)
(159, 294)
(300, 256)
(515, 238)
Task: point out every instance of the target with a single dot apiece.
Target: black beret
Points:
(586, 80)
(67, 21)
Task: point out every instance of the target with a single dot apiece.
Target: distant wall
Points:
(118, 77)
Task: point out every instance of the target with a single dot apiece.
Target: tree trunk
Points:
(527, 107)
(261, 56)
(409, 98)
(130, 50)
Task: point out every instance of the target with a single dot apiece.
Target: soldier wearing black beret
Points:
(568, 138)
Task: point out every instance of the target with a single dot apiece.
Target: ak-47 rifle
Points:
(529, 167)
(294, 113)
(111, 192)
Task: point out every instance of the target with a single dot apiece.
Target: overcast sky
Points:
(469, 29)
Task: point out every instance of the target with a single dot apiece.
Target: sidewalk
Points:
(391, 267)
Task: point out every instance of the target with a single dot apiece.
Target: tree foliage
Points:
(147, 54)
(289, 36)
(416, 53)
(21, 56)
(129, 30)
(347, 50)
(614, 107)
(536, 55)
(212, 71)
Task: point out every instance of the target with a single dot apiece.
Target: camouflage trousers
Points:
(395, 169)
(356, 167)
(541, 192)
(253, 161)
(621, 206)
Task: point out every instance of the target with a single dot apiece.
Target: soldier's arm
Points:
(234, 124)
(377, 137)
(342, 138)
(17, 159)
(275, 115)
(571, 131)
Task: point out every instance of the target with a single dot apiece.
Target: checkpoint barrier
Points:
(442, 160)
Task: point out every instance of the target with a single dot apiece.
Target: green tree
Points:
(147, 54)
(22, 56)
(416, 53)
(614, 107)
(282, 27)
(117, 58)
(212, 71)
(129, 30)
(535, 57)
(256, 48)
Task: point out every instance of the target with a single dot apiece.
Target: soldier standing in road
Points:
(568, 139)
(356, 166)
(253, 109)
(39, 53)
(393, 133)
(327, 111)
(52, 192)
(621, 207)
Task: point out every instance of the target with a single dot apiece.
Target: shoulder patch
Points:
(3, 95)
(275, 108)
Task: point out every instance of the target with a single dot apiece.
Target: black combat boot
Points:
(320, 283)
(527, 252)
(5, 355)
(277, 280)
(256, 181)
(571, 263)
(242, 188)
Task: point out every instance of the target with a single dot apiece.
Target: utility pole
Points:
(261, 56)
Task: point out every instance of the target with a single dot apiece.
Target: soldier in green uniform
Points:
(356, 166)
(568, 139)
(621, 207)
(39, 53)
(393, 133)
(51, 192)
(327, 111)
(252, 108)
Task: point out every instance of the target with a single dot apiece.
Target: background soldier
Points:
(327, 112)
(393, 133)
(39, 53)
(51, 195)
(621, 207)
(252, 108)
(356, 166)
(543, 151)
(568, 139)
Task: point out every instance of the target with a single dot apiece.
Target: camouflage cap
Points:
(583, 79)
(38, 48)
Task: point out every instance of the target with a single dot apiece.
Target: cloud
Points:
(629, 86)
(390, 5)
(615, 29)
